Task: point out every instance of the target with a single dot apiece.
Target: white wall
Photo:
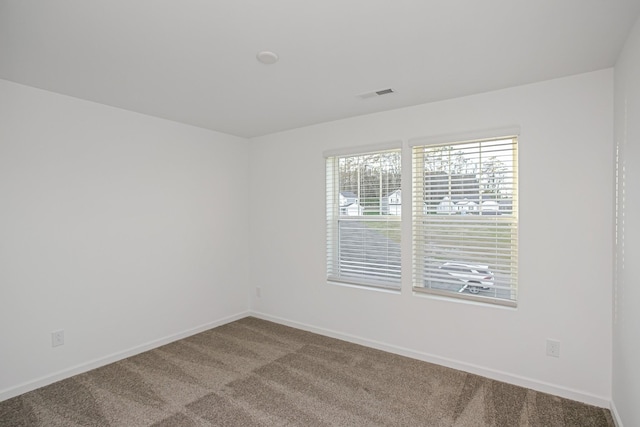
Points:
(626, 320)
(124, 230)
(566, 162)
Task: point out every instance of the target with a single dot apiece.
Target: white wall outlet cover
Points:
(57, 338)
(553, 348)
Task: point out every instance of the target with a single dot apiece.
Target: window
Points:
(465, 219)
(363, 218)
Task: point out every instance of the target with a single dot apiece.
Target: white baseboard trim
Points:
(615, 415)
(497, 375)
(102, 361)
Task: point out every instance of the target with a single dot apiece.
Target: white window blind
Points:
(465, 219)
(363, 218)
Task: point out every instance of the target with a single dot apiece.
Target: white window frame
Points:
(384, 276)
(436, 252)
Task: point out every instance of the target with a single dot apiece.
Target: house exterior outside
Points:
(463, 206)
(392, 203)
(349, 204)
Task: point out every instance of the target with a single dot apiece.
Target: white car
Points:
(474, 276)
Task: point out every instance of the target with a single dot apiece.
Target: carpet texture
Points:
(256, 373)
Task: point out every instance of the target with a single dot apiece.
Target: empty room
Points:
(408, 213)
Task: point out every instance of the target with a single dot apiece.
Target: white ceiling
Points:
(194, 61)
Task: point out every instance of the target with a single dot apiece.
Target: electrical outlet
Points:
(553, 348)
(258, 291)
(57, 338)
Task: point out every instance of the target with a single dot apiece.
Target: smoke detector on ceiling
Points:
(376, 93)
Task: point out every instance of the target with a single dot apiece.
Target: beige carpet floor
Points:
(256, 373)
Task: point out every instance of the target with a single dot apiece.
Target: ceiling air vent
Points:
(376, 93)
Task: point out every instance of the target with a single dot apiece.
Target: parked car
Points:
(474, 276)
